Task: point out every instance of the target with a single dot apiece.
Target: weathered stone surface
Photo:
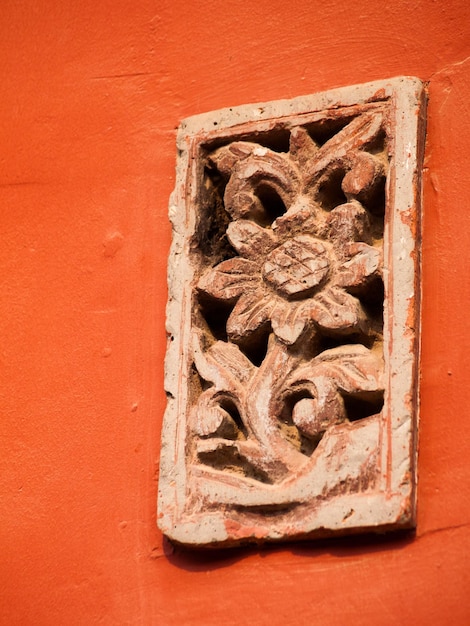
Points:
(293, 319)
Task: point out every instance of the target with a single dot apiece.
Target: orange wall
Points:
(91, 94)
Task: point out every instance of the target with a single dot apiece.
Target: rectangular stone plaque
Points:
(293, 319)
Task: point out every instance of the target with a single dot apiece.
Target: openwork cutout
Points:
(293, 312)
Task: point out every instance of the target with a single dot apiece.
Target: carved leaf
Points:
(229, 279)
(288, 320)
(207, 417)
(226, 157)
(250, 313)
(249, 239)
(335, 310)
(263, 169)
(354, 368)
(314, 415)
(363, 177)
(350, 369)
(223, 364)
(358, 133)
(229, 357)
(229, 370)
(297, 266)
(364, 263)
(302, 148)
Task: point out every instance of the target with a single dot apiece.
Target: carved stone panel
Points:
(293, 315)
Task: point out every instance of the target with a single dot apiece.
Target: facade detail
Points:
(293, 319)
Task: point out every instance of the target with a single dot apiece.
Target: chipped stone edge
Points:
(395, 506)
(402, 254)
(228, 118)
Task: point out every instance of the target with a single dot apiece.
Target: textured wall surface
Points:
(91, 94)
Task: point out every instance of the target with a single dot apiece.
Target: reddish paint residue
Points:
(378, 95)
(238, 530)
(91, 95)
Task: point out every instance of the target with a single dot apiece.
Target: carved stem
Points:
(261, 400)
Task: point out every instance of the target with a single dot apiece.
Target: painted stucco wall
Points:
(90, 95)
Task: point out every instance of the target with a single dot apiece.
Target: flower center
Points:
(297, 266)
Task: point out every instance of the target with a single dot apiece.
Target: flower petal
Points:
(301, 214)
(252, 310)
(348, 222)
(335, 310)
(249, 239)
(229, 279)
(288, 320)
(363, 265)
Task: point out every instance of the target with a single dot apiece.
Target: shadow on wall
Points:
(343, 547)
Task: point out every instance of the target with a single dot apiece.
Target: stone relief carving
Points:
(282, 414)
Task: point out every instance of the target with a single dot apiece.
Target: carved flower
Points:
(304, 264)
(292, 280)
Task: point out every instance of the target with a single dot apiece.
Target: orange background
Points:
(91, 94)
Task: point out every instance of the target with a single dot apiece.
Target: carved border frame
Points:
(392, 505)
